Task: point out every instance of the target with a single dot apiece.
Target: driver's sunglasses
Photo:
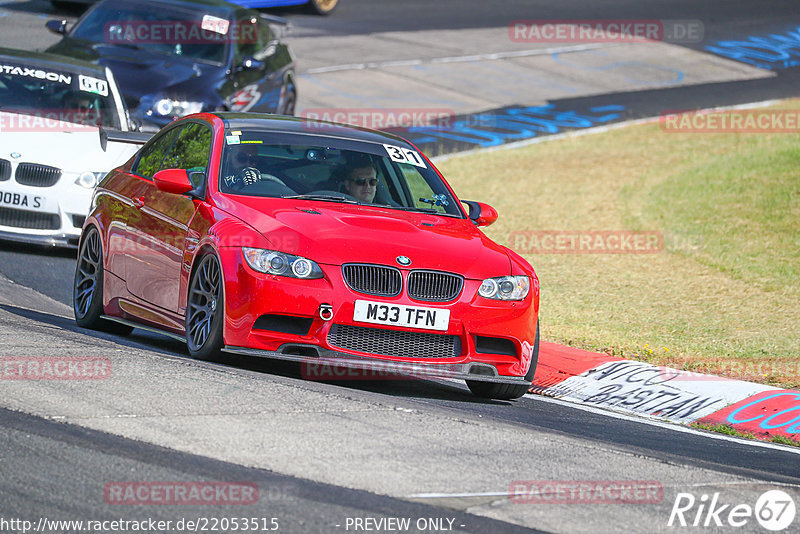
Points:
(246, 158)
(363, 181)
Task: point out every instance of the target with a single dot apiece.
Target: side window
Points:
(255, 36)
(151, 157)
(265, 37)
(248, 44)
(419, 188)
(191, 150)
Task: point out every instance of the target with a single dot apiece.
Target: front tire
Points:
(494, 390)
(205, 310)
(87, 289)
(288, 104)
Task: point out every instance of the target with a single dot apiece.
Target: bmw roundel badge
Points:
(16, 155)
(403, 260)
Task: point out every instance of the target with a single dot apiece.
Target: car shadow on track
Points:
(392, 386)
(48, 270)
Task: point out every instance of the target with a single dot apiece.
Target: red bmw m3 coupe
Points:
(294, 239)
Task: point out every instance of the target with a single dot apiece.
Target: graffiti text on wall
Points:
(513, 124)
(776, 51)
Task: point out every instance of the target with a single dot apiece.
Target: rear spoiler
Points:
(275, 20)
(117, 136)
(283, 26)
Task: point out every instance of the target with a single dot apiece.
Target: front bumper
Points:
(59, 221)
(250, 295)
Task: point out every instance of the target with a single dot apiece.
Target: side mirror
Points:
(173, 181)
(57, 26)
(251, 63)
(480, 213)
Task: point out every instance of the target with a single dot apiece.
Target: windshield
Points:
(253, 164)
(64, 95)
(198, 35)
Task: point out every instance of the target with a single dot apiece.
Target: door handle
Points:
(138, 202)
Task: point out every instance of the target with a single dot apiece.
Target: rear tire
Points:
(205, 310)
(322, 7)
(495, 390)
(87, 290)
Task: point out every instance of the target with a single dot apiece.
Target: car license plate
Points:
(401, 315)
(23, 201)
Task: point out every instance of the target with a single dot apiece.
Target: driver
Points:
(242, 161)
(84, 109)
(361, 182)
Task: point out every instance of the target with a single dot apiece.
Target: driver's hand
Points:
(248, 176)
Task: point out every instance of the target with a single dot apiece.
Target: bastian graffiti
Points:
(775, 51)
(642, 388)
(646, 389)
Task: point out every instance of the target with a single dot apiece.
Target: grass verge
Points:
(722, 297)
(730, 431)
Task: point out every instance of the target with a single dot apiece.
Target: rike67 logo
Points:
(774, 510)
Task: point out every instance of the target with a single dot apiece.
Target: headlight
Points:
(166, 107)
(89, 179)
(505, 288)
(280, 263)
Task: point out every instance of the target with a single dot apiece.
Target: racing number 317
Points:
(404, 155)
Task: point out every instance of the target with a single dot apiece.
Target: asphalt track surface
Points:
(47, 466)
(77, 461)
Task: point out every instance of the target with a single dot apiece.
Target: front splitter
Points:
(368, 366)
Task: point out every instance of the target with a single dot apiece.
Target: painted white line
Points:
(458, 495)
(507, 494)
(662, 424)
(591, 131)
(460, 59)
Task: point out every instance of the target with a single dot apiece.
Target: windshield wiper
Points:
(432, 211)
(324, 198)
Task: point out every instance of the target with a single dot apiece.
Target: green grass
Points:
(730, 431)
(722, 297)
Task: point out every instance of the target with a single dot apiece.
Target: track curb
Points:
(664, 393)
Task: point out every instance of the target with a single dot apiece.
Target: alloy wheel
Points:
(204, 300)
(88, 273)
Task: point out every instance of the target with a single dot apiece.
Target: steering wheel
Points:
(251, 175)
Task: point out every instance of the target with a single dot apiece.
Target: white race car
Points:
(63, 125)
